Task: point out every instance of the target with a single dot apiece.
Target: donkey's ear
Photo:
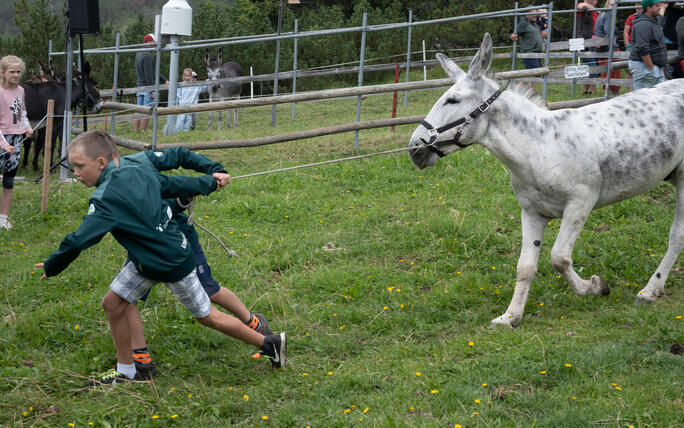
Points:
(86, 69)
(206, 56)
(219, 57)
(482, 60)
(452, 70)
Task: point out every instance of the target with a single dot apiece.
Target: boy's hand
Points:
(40, 265)
(222, 178)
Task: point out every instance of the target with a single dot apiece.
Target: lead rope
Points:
(232, 253)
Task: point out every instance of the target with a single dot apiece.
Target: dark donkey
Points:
(222, 91)
(37, 96)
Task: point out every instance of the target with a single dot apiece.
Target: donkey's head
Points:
(93, 100)
(454, 121)
(213, 64)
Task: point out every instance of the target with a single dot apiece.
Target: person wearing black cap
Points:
(648, 53)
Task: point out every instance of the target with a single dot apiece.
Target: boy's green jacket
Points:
(173, 158)
(129, 203)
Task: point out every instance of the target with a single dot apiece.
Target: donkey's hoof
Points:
(506, 320)
(644, 297)
(600, 286)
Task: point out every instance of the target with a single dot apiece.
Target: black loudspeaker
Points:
(84, 17)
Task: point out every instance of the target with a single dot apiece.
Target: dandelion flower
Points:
(76, 327)
(618, 388)
(471, 343)
(155, 416)
(245, 397)
(305, 374)
(347, 410)
(678, 317)
(174, 416)
(330, 373)
(477, 401)
(568, 365)
(25, 414)
(418, 373)
(365, 410)
(434, 391)
(264, 417)
(484, 384)
(543, 372)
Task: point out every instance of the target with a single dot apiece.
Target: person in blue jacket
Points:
(142, 222)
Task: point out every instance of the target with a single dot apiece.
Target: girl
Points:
(13, 123)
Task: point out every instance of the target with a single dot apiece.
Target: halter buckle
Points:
(486, 107)
(468, 120)
(432, 132)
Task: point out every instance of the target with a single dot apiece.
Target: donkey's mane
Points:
(527, 92)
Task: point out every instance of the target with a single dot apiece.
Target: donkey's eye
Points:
(451, 101)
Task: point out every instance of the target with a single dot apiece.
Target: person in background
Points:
(13, 123)
(629, 24)
(602, 30)
(672, 13)
(530, 38)
(542, 21)
(187, 95)
(586, 18)
(649, 53)
(144, 69)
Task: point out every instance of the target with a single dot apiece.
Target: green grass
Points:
(385, 279)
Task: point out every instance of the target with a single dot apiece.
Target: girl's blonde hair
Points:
(8, 60)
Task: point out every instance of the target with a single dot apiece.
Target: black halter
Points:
(434, 146)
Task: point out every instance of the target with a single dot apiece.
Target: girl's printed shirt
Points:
(13, 118)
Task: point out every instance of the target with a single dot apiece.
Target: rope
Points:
(232, 253)
(273, 171)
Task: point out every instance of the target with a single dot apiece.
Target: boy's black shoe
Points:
(275, 348)
(145, 370)
(111, 377)
(259, 324)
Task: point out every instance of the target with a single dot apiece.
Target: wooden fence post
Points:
(46, 156)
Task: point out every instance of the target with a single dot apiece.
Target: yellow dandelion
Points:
(440, 198)
(305, 374)
(476, 413)
(543, 372)
(264, 417)
(384, 308)
(25, 414)
(30, 408)
(90, 423)
(471, 343)
(412, 263)
(390, 289)
(76, 327)
(245, 397)
(457, 426)
(477, 401)
(174, 416)
(568, 365)
(347, 410)
(335, 314)
(678, 317)
(330, 373)
(458, 272)
(230, 388)
(366, 410)
(189, 395)
(446, 291)
(419, 374)
(618, 388)
(541, 304)
(70, 424)
(484, 384)
(613, 384)
(574, 398)
(155, 416)
(401, 306)
(493, 267)
(434, 391)
(343, 326)
(398, 290)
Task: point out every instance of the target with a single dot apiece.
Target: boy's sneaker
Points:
(5, 223)
(259, 324)
(111, 377)
(145, 371)
(275, 348)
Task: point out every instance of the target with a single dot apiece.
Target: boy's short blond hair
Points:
(189, 70)
(95, 144)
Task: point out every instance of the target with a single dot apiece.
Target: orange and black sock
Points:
(253, 322)
(142, 356)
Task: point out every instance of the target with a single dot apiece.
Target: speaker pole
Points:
(83, 84)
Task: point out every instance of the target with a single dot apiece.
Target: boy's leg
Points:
(115, 308)
(223, 296)
(141, 355)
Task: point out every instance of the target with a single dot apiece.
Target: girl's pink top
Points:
(13, 118)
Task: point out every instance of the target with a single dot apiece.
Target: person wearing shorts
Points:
(144, 70)
(142, 222)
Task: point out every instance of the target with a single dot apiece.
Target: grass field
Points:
(385, 279)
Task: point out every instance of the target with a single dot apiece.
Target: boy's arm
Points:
(180, 157)
(93, 228)
(186, 187)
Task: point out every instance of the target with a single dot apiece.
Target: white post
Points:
(251, 83)
(424, 67)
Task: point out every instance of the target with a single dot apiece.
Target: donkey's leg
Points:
(210, 120)
(656, 285)
(220, 119)
(574, 216)
(533, 226)
(235, 110)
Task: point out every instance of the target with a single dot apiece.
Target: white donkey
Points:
(564, 163)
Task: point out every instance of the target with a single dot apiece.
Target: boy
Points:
(163, 160)
(141, 221)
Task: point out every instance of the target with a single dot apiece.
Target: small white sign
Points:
(576, 44)
(575, 71)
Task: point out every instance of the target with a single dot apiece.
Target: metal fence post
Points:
(173, 84)
(294, 70)
(548, 49)
(515, 42)
(157, 70)
(408, 53)
(424, 67)
(361, 58)
(116, 78)
(66, 130)
(574, 53)
(277, 63)
(611, 45)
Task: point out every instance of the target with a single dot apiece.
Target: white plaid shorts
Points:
(131, 286)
